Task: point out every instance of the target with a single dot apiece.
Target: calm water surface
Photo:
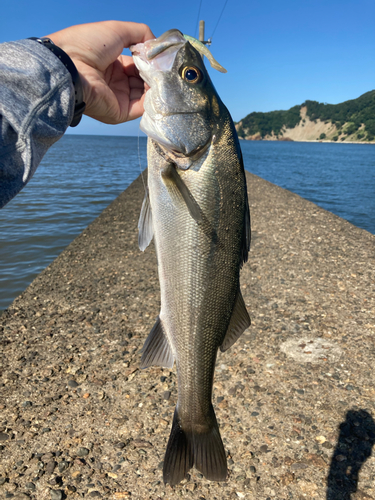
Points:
(77, 179)
(81, 175)
(337, 177)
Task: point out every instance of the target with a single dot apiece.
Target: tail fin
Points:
(203, 449)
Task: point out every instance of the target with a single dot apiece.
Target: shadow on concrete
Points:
(354, 446)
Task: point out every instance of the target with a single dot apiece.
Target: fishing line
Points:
(226, 1)
(140, 163)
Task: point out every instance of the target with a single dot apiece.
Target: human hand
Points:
(112, 89)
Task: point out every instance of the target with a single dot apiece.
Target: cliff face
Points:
(351, 121)
(307, 130)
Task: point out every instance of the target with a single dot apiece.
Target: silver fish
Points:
(197, 211)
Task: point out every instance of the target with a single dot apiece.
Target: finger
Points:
(132, 73)
(136, 107)
(99, 44)
(131, 33)
(136, 94)
(128, 65)
(136, 83)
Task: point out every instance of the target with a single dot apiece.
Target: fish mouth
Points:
(159, 53)
(170, 38)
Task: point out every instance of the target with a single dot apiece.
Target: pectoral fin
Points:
(178, 189)
(239, 321)
(156, 349)
(146, 231)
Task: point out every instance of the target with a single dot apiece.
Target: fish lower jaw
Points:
(157, 127)
(152, 129)
(182, 160)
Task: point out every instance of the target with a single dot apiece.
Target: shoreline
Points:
(307, 140)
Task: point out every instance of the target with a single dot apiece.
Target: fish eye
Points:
(191, 74)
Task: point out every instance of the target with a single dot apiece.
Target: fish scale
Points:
(196, 210)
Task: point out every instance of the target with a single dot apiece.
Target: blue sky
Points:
(277, 53)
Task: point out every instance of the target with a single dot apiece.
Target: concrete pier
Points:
(294, 397)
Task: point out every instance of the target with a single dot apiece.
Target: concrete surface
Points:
(295, 397)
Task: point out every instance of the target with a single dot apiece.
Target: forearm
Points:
(36, 107)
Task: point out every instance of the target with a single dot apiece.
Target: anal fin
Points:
(156, 349)
(239, 321)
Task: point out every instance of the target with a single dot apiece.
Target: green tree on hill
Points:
(266, 123)
(354, 113)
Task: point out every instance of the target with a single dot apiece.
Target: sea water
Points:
(81, 175)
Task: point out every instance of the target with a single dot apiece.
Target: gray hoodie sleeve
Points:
(36, 108)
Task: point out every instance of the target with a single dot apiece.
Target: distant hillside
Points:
(350, 121)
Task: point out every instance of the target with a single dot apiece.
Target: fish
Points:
(196, 209)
